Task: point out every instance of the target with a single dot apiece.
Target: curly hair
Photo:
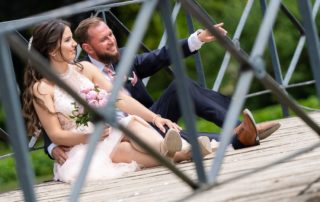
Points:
(46, 38)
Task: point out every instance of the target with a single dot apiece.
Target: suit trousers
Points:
(208, 104)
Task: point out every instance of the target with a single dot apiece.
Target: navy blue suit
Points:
(208, 104)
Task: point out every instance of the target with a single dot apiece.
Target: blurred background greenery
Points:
(264, 107)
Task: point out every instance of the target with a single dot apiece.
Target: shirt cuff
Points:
(194, 42)
(50, 148)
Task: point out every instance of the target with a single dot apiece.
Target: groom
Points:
(98, 41)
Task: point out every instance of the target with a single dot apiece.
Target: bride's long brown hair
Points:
(46, 37)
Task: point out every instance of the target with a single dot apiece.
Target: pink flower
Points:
(95, 97)
(103, 102)
(91, 95)
(86, 90)
(102, 95)
(93, 103)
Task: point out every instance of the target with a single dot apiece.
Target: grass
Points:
(42, 165)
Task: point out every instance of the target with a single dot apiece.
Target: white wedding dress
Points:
(101, 166)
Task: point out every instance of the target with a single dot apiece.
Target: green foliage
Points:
(42, 167)
(1, 117)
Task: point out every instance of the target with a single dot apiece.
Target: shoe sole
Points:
(269, 131)
(205, 145)
(173, 143)
(247, 111)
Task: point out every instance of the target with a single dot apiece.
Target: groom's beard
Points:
(107, 58)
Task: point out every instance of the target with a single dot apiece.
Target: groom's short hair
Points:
(81, 32)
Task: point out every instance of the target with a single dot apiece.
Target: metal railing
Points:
(283, 82)
(250, 65)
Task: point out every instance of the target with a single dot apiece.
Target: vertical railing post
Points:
(197, 58)
(123, 69)
(299, 48)
(243, 86)
(14, 122)
(274, 58)
(312, 40)
(235, 39)
(183, 94)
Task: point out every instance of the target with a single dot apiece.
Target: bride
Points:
(45, 105)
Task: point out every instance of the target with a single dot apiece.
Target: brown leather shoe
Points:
(267, 128)
(247, 131)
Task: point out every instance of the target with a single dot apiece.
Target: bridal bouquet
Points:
(95, 97)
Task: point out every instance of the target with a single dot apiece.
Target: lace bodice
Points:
(63, 101)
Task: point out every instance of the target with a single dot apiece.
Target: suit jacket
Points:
(147, 64)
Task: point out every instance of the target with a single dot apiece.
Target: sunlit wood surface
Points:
(294, 180)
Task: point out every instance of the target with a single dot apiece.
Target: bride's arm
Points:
(49, 120)
(127, 103)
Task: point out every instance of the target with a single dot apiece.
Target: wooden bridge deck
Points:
(294, 180)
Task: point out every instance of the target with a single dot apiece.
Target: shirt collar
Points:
(97, 63)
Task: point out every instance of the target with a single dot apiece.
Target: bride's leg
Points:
(125, 153)
(145, 133)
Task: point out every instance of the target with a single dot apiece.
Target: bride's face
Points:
(67, 46)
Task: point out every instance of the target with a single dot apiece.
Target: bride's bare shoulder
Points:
(42, 87)
(88, 69)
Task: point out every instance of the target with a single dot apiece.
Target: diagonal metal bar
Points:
(185, 101)
(312, 40)
(111, 18)
(41, 65)
(174, 15)
(56, 13)
(256, 171)
(258, 49)
(245, 77)
(235, 39)
(116, 4)
(139, 29)
(163, 161)
(196, 11)
(163, 40)
(229, 124)
(294, 61)
(286, 87)
(292, 18)
(3, 134)
(93, 141)
(299, 48)
(18, 136)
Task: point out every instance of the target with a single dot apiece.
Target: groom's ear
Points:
(87, 48)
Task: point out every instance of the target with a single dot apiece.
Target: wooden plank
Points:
(282, 182)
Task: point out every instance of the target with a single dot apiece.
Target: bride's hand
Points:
(161, 122)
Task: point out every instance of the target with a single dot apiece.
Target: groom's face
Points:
(103, 44)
